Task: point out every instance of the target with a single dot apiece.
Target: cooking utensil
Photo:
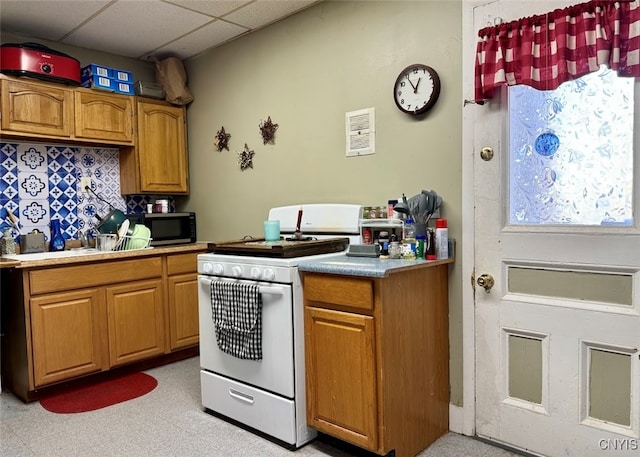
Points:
(13, 220)
(402, 207)
(113, 220)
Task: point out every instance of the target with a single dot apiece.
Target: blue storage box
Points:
(95, 70)
(123, 88)
(122, 75)
(99, 82)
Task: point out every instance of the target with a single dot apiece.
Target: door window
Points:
(571, 152)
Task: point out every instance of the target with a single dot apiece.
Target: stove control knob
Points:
(269, 274)
(236, 271)
(256, 272)
(218, 269)
(207, 268)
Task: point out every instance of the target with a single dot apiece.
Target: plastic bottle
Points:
(442, 239)
(409, 239)
(383, 240)
(420, 240)
(57, 240)
(431, 244)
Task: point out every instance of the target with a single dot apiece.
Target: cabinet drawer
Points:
(96, 274)
(182, 263)
(339, 290)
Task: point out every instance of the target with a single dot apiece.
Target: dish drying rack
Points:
(131, 243)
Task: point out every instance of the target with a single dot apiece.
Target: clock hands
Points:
(415, 88)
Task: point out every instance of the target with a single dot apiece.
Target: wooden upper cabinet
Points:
(107, 117)
(158, 163)
(36, 110)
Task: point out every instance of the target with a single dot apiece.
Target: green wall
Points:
(305, 72)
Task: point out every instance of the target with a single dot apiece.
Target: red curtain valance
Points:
(546, 50)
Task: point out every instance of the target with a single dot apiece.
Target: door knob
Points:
(486, 282)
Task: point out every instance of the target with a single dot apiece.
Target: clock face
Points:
(416, 89)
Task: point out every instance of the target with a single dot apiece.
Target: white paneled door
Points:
(558, 332)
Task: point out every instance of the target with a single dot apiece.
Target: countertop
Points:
(372, 267)
(72, 256)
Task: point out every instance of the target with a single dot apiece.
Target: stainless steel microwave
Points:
(168, 228)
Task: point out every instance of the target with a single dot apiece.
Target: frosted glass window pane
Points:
(571, 152)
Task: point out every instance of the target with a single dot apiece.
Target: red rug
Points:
(100, 394)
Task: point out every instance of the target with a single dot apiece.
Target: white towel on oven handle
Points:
(236, 310)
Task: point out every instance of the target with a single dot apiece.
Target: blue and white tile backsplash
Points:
(41, 182)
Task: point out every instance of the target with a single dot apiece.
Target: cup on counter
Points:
(272, 230)
(106, 242)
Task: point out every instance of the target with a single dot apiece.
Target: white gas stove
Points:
(268, 395)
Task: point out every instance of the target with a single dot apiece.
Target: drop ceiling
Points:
(142, 29)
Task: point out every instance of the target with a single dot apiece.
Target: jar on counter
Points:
(395, 251)
(8, 244)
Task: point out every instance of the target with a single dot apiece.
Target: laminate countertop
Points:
(77, 256)
(372, 267)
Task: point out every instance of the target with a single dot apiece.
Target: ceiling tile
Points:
(263, 12)
(132, 28)
(202, 39)
(49, 20)
(216, 8)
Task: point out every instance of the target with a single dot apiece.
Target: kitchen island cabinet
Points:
(376, 347)
(158, 162)
(68, 317)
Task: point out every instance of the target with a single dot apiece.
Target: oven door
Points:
(275, 372)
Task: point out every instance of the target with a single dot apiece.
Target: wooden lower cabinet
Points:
(135, 321)
(183, 315)
(182, 285)
(377, 358)
(68, 335)
(65, 322)
(341, 351)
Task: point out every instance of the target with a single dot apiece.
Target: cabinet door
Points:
(135, 321)
(341, 375)
(105, 117)
(162, 148)
(68, 332)
(183, 311)
(36, 109)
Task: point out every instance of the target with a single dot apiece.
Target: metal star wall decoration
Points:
(268, 131)
(222, 140)
(245, 158)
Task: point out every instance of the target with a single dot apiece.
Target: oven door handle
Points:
(269, 290)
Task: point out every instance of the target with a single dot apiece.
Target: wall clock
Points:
(416, 89)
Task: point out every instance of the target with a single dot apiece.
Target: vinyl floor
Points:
(169, 421)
